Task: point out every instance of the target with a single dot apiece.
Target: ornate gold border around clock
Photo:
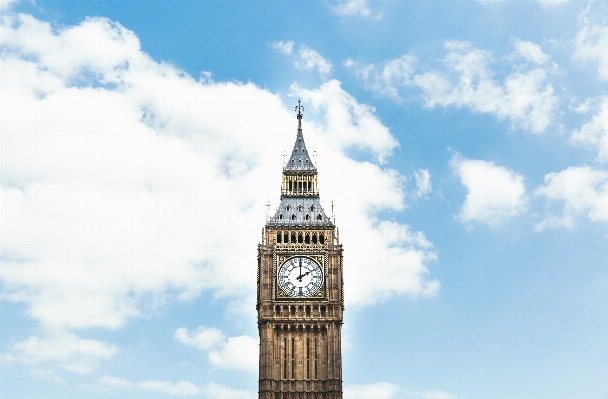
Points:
(281, 256)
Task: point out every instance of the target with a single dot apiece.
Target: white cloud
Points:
(309, 59)
(180, 388)
(349, 123)
(594, 133)
(532, 52)
(423, 182)
(385, 79)
(216, 391)
(125, 181)
(386, 390)
(591, 43)
(203, 338)
(6, 4)
(379, 390)
(524, 97)
(283, 47)
(354, 7)
(238, 353)
(495, 193)
(241, 353)
(71, 352)
(582, 190)
(305, 59)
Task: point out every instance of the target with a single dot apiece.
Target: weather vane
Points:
(300, 109)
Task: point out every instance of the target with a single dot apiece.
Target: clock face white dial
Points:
(300, 277)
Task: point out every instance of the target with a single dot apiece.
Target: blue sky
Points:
(463, 145)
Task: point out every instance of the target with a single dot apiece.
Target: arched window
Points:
(307, 310)
(322, 310)
(292, 310)
(277, 310)
(314, 238)
(319, 217)
(288, 208)
(307, 238)
(321, 238)
(307, 217)
(279, 237)
(286, 238)
(280, 216)
(293, 217)
(300, 238)
(293, 238)
(312, 208)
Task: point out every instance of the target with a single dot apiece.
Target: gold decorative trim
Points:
(280, 258)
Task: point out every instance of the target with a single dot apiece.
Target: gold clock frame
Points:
(280, 295)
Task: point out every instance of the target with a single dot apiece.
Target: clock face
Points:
(300, 277)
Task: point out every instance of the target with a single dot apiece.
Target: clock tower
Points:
(300, 296)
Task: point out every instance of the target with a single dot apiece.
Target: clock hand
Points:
(299, 278)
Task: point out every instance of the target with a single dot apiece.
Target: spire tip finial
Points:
(300, 109)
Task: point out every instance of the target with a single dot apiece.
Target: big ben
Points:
(300, 290)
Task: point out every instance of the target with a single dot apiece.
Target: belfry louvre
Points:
(300, 290)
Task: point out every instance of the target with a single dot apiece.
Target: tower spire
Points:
(300, 109)
(299, 161)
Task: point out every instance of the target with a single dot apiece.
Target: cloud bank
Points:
(127, 184)
(524, 97)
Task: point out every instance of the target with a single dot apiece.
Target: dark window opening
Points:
(286, 238)
(312, 208)
(309, 185)
(290, 187)
(288, 208)
(319, 217)
(280, 216)
(293, 238)
(292, 310)
(300, 238)
(293, 358)
(277, 310)
(314, 349)
(293, 217)
(307, 238)
(308, 358)
(285, 358)
(321, 238)
(307, 217)
(322, 310)
(307, 310)
(279, 237)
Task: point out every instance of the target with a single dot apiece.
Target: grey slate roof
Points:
(300, 211)
(299, 160)
(293, 210)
